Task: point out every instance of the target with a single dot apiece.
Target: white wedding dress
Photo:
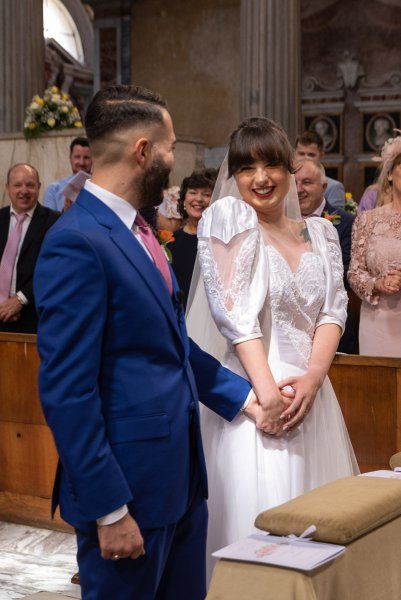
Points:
(252, 292)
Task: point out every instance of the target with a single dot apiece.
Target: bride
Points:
(274, 288)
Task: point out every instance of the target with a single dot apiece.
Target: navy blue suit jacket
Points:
(349, 339)
(119, 379)
(344, 230)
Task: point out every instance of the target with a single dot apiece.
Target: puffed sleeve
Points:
(234, 267)
(361, 281)
(325, 242)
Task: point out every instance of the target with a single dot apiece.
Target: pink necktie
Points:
(9, 256)
(154, 250)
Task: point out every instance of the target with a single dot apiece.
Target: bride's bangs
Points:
(260, 139)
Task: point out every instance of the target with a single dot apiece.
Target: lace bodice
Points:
(376, 248)
(250, 287)
(295, 299)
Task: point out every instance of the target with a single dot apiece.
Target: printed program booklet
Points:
(292, 553)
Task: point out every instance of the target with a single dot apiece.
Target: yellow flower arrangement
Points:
(54, 111)
(350, 204)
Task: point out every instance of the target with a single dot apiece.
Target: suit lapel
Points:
(125, 241)
(4, 227)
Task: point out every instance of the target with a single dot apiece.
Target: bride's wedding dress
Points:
(255, 293)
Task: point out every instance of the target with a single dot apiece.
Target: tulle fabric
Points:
(250, 472)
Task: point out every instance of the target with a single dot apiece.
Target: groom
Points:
(119, 378)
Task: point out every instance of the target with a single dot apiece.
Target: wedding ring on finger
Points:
(115, 557)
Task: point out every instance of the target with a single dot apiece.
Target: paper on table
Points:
(75, 185)
(281, 551)
(382, 473)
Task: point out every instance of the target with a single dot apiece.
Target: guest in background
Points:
(310, 145)
(168, 215)
(195, 194)
(23, 226)
(311, 182)
(370, 198)
(80, 160)
(375, 268)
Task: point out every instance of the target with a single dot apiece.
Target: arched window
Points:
(59, 25)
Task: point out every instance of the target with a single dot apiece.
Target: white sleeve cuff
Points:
(247, 401)
(113, 517)
(245, 338)
(22, 297)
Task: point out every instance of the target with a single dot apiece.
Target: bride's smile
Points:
(262, 186)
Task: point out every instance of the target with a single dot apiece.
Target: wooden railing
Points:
(369, 391)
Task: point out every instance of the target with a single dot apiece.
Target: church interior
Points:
(329, 66)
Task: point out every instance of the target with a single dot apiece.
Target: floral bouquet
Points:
(54, 111)
(350, 204)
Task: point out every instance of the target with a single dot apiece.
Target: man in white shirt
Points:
(17, 305)
(80, 160)
(310, 145)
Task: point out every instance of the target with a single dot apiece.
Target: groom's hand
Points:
(122, 539)
(255, 411)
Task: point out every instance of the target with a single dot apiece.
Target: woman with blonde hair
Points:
(375, 268)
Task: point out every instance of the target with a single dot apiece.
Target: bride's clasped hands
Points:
(268, 414)
(305, 387)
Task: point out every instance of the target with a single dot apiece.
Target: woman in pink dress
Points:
(375, 269)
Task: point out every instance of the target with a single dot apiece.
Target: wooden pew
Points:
(369, 391)
(28, 457)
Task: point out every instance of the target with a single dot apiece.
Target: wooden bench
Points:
(28, 457)
(369, 391)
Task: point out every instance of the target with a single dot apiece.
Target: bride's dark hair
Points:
(259, 138)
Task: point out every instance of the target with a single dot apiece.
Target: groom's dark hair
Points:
(120, 107)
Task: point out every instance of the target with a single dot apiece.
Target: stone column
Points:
(271, 61)
(22, 60)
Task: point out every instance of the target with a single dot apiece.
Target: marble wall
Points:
(190, 53)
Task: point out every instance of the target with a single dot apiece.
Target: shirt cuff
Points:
(113, 517)
(247, 401)
(22, 298)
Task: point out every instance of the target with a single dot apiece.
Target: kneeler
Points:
(362, 513)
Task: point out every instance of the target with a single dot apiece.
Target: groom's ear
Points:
(142, 151)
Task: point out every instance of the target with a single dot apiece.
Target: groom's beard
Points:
(153, 183)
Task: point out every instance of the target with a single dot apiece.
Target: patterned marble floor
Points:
(36, 560)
